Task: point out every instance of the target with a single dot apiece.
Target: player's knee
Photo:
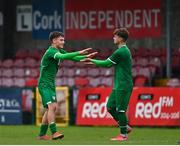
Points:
(52, 106)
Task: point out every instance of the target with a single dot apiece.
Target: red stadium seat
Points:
(106, 81)
(30, 62)
(7, 63)
(155, 53)
(106, 72)
(71, 82)
(145, 71)
(80, 65)
(19, 63)
(134, 72)
(152, 69)
(93, 72)
(80, 72)
(65, 81)
(143, 62)
(19, 82)
(31, 72)
(81, 82)
(30, 82)
(7, 72)
(156, 63)
(7, 82)
(140, 81)
(94, 82)
(68, 72)
(60, 73)
(143, 75)
(18, 72)
(68, 63)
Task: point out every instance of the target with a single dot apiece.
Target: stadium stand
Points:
(148, 64)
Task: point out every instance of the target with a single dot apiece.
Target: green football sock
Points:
(123, 122)
(53, 128)
(43, 130)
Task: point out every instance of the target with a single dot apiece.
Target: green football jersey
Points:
(49, 65)
(121, 59)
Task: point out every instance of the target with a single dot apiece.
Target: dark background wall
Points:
(11, 40)
(1, 29)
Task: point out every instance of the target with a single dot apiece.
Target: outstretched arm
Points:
(78, 58)
(99, 63)
(69, 56)
(81, 57)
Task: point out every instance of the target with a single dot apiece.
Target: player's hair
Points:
(55, 34)
(122, 32)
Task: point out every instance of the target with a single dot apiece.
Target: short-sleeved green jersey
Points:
(49, 65)
(121, 59)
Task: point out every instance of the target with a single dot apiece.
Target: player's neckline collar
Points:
(122, 45)
(55, 48)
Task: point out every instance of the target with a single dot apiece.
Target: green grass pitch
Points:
(77, 135)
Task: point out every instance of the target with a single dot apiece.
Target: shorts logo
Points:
(53, 97)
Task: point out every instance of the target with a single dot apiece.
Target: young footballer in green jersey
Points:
(123, 83)
(46, 83)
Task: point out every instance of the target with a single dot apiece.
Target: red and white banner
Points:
(91, 109)
(147, 107)
(155, 107)
(97, 19)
